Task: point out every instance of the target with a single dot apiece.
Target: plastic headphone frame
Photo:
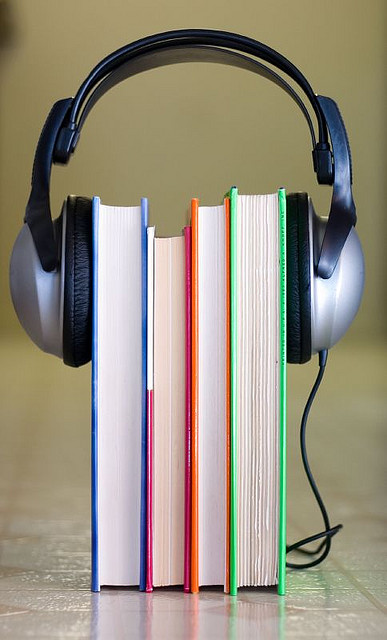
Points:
(61, 132)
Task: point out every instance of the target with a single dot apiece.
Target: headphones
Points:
(51, 262)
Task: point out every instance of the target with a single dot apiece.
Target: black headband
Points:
(62, 127)
(191, 37)
(178, 54)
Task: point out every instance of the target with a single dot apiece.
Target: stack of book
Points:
(189, 397)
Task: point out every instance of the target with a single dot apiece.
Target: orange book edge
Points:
(194, 401)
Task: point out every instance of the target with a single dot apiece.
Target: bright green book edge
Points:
(233, 398)
(282, 400)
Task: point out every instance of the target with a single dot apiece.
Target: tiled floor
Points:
(44, 501)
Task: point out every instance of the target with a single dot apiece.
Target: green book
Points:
(258, 390)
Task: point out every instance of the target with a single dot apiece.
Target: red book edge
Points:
(149, 493)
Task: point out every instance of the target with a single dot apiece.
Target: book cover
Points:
(188, 365)
(194, 399)
(149, 392)
(258, 422)
(169, 419)
(283, 389)
(95, 585)
(233, 392)
(144, 263)
(118, 394)
(209, 424)
(228, 392)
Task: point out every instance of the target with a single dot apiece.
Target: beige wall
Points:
(193, 130)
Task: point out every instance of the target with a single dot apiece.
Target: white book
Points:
(169, 411)
(118, 399)
(258, 362)
(211, 400)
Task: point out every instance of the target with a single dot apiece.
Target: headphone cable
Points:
(324, 546)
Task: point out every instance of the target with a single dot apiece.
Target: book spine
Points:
(150, 378)
(282, 408)
(95, 586)
(149, 541)
(233, 399)
(194, 400)
(143, 516)
(228, 391)
(187, 488)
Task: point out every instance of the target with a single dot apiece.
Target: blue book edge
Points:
(143, 518)
(95, 585)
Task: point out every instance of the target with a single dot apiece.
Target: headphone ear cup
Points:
(299, 320)
(77, 306)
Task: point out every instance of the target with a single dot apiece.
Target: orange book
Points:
(194, 401)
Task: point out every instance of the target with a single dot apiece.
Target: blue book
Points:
(119, 395)
(144, 307)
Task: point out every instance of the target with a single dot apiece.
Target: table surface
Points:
(45, 514)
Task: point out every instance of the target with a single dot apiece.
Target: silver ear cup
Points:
(335, 301)
(37, 296)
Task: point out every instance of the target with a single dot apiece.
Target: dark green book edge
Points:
(282, 399)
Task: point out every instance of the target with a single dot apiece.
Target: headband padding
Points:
(299, 340)
(77, 282)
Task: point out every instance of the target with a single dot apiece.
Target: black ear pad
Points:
(299, 339)
(77, 282)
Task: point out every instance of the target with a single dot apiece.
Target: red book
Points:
(149, 399)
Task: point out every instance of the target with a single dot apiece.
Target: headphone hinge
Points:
(65, 144)
(322, 163)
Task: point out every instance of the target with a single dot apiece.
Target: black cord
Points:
(329, 532)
